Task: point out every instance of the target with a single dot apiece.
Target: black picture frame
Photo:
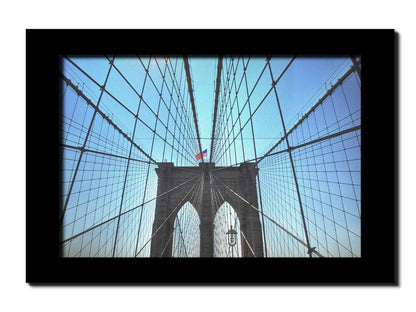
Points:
(378, 264)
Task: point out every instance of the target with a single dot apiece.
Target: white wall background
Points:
(16, 16)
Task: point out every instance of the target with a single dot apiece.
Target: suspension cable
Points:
(310, 250)
(217, 93)
(188, 76)
(127, 211)
(85, 142)
(249, 246)
(170, 214)
(313, 108)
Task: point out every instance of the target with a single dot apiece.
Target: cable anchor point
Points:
(311, 250)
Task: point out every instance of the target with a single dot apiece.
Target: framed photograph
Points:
(213, 157)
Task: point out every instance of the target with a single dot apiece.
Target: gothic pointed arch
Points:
(186, 233)
(226, 219)
(197, 185)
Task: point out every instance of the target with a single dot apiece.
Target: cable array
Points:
(122, 117)
(225, 219)
(324, 180)
(108, 178)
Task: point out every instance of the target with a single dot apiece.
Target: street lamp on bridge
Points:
(231, 236)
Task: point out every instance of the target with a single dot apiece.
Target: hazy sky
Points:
(334, 185)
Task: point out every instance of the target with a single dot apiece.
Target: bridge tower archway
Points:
(206, 179)
(225, 219)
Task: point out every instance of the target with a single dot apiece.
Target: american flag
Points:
(198, 156)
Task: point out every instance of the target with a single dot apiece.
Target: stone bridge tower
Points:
(241, 179)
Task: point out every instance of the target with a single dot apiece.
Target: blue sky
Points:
(332, 208)
(306, 74)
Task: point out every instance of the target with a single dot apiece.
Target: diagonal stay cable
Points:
(79, 148)
(268, 92)
(104, 116)
(222, 197)
(85, 140)
(314, 141)
(260, 103)
(103, 89)
(313, 108)
(215, 198)
(184, 116)
(310, 250)
(179, 218)
(122, 105)
(249, 246)
(181, 238)
(171, 213)
(155, 114)
(128, 161)
(167, 243)
(127, 211)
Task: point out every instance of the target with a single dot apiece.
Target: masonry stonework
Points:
(241, 179)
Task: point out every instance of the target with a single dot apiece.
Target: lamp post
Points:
(231, 238)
